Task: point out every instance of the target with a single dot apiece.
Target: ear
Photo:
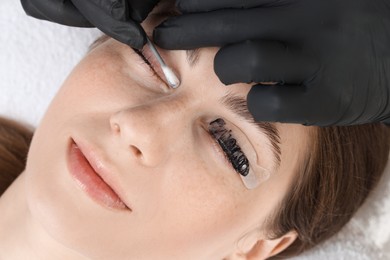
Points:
(251, 248)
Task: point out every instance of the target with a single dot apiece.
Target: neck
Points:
(21, 236)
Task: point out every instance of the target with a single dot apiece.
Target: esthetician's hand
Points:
(330, 57)
(119, 19)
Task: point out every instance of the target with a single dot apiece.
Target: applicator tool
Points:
(172, 80)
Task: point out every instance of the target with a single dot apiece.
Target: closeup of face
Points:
(173, 160)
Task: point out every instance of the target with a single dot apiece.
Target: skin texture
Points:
(186, 201)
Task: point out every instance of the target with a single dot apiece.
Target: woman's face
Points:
(180, 198)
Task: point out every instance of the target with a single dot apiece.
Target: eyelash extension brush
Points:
(172, 79)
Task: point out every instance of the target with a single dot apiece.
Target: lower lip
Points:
(90, 182)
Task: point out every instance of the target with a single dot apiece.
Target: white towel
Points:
(36, 56)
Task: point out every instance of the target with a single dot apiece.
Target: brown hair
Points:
(15, 140)
(344, 165)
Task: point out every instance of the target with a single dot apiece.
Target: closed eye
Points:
(235, 156)
(147, 61)
(230, 147)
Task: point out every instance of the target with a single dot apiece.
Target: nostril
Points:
(136, 152)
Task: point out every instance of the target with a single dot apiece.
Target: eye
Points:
(148, 62)
(230, 147)
(235, 156)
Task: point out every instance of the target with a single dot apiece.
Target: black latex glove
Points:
(119, 19)
(332, 57)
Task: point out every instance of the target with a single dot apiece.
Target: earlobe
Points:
(259, 249)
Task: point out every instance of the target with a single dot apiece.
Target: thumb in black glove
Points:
(119, 19)
(331, 57)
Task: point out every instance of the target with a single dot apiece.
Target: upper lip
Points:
(96, 159)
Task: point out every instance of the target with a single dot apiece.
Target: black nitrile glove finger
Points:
(62, 12)
(141, 8)
(113, 20)
(119, 19)
(265, 102)
(221, 27)
(335, 66)
(263, 61)
(190, 6)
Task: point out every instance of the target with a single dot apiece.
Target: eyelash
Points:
(147, 62)
(230, 147)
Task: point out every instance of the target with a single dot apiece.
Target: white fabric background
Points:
(36, 56)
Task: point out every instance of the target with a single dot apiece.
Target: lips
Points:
(84, 170)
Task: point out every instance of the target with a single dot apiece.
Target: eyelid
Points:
(154, 63)
(147, 64)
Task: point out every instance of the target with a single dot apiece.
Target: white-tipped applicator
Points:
(172, 79)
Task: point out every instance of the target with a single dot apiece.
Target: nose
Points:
(151, 132)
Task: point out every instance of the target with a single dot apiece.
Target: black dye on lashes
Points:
(229, 146)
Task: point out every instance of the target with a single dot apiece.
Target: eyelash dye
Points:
(229, 146)
(236, 156)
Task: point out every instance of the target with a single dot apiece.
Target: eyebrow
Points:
(193, 57)
(238, 106)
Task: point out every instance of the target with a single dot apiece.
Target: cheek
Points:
(46, 188)
(200, 208)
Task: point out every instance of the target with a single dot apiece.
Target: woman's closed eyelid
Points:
(147, 64)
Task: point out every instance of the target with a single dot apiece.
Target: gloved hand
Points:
(331, 58)
(119, 19)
